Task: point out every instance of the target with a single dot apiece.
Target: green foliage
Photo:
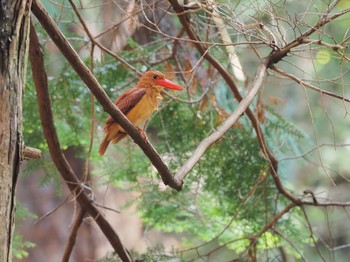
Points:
(278, 128)
(153, 254)
(19, 245)
(212, 204)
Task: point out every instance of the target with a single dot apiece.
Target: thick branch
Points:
(73, 183)
(83, 71)
(225, 126)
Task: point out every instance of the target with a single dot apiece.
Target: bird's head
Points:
(156, 79)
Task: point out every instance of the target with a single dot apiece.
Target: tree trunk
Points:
(14, 33)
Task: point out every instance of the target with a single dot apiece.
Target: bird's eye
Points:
(155, 76)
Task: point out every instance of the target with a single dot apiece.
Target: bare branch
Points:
(322, 43)
(225, 126)
(53, 210)
(232, 56)
(92, 39)
(304, 84)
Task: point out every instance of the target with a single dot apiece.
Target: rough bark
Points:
(14, 32)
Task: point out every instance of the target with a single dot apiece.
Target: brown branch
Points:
(73, 235)
(79, 218)
(73, 183)
(335, 47)
(88, 78)
(270, 224)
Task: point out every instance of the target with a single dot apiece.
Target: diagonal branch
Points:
(225, 126)
(271, 224)
(73, 183)
(85, 74)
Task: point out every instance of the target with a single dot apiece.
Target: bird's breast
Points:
(144, 108)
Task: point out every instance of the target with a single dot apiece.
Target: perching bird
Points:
(137, 104)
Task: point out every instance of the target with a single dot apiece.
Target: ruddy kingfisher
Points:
(137, 104)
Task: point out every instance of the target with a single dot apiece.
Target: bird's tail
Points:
(103, 146)
(119, 136)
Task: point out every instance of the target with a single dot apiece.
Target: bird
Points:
(137, 104)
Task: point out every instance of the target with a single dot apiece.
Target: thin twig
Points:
(304, 84)
(278, 55)
(94, 42)
(53, 210)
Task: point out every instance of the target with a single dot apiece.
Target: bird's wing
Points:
(129, 99)
(125, 102)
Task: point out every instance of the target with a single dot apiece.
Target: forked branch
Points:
(67, 173)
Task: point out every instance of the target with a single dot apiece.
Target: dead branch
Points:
(73, 183)
(232, 56)
(30, 153)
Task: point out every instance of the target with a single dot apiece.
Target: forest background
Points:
(272, 182)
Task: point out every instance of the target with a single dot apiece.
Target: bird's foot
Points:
(143, 133)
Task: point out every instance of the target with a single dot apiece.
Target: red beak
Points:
(168, 84)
